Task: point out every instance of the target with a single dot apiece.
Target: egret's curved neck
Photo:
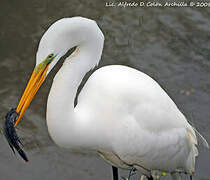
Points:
(63, 125)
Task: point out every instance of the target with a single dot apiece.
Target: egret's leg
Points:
(130, 173)
(115, 173)
(150, 177)
(142, 177)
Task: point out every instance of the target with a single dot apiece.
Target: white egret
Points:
(121, 113)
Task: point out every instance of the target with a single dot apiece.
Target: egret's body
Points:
(121, 113)
(127, 117)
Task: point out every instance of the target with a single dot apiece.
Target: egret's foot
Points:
(131, 173)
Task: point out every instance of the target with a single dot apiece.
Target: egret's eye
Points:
(50, 58)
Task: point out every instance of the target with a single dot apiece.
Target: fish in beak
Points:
(14, 116)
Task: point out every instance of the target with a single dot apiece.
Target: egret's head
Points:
(56, 41)
(50, 50)
(65, 34)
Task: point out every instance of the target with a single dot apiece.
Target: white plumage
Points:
(121, 113)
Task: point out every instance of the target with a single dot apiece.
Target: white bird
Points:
(121, 113)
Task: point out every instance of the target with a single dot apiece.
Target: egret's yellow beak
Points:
(37, 78)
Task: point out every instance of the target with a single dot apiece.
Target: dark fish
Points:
(11, 135)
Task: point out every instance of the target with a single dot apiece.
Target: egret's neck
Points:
(63, 125)
(67, 81)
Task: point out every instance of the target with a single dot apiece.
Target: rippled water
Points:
(172, 45)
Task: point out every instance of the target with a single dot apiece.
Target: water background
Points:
(172, 45)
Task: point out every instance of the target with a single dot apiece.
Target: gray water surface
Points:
(172, 45)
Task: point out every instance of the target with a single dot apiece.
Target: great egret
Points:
(121, 113)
